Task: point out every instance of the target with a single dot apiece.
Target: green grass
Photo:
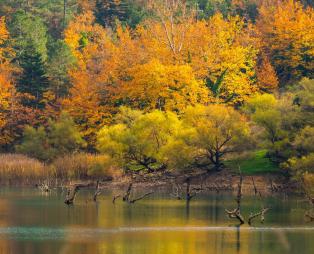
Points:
(257, 163)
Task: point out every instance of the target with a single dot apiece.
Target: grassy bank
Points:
(256, 163)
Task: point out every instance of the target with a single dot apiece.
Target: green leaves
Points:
(60, 138)
(216, 86)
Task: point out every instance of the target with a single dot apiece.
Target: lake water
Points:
(32, 222)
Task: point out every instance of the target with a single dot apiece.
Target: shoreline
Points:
(224, 180)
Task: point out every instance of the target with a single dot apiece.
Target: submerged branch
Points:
(261, 214)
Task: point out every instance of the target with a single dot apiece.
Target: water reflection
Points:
(32, 223)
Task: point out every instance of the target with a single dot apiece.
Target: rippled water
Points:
(35, 223)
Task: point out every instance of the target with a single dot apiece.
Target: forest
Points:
(94, 88)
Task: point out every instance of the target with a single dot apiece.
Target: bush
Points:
(60, 138)
(308, 183)
(84, 166)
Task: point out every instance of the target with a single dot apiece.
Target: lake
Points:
(32, 222)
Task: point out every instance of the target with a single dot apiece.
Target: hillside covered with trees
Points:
(159, 84)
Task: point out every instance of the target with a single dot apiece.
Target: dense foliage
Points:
(159, 84)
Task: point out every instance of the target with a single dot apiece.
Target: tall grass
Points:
(18, 167)
(85, 166)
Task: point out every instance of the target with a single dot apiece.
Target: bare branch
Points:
(261, 214)
(97, 191)
(236, 213)
(141, 197)
(72, 191)
(115, 198)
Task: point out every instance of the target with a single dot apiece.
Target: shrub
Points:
(60, 138)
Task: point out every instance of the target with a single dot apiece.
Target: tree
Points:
(63, 136)
(165, 87)
(5, 78)
(107, 12)
(266, 75)
(8, 96)
(210, 47)
(30, 44)
(304, 97)
(278, 120)
(287, 31)
(35, 143)
(304, 141)
(60, 61)
(28, 31)
(139, 141)
(219, 130)
(33, 80)
(91, 77)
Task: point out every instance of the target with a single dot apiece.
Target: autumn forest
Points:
(157, 85)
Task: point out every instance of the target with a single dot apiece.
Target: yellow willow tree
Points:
(287, 30)
(91, 78)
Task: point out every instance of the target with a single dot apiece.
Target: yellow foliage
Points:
(209, 47)
(168, 87)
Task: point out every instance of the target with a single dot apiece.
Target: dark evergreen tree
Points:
(33, 79)
(108, 11)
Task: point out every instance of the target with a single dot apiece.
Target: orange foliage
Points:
(92, 75)
(287, 29)
(6, 88)
(266, 75)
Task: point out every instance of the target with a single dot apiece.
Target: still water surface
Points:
(35, 223)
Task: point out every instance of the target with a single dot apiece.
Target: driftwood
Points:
(236, 213)
(189, 195)
(132, 201)
(97, 191)
(72, 191)
(176, 192)
(261, 214)
(189, 191)
(309, 215)
(127, 195)
(115, 198)
(255, 189)
(44, 187)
